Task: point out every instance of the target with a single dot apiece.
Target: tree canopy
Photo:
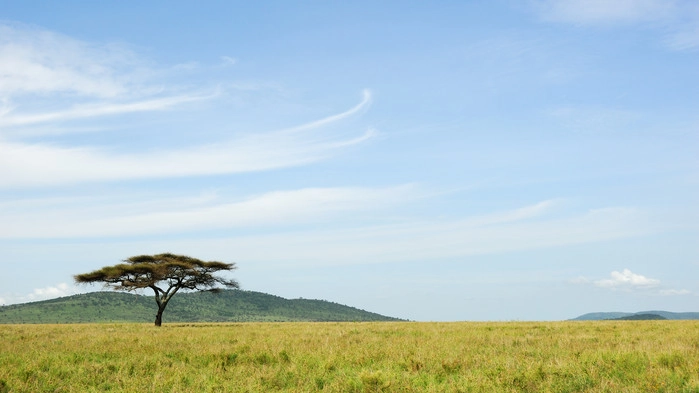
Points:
(164, 273)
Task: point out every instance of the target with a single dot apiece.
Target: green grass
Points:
(638, 356)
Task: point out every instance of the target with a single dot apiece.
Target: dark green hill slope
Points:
(673, 315)
(642, 317)
(226, 306)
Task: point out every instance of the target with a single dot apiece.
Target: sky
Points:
(433, 161)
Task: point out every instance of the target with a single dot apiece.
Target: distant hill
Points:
(642, 317)
(225, 306)
(600, 316)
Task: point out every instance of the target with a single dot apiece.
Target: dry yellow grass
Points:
(643, 356)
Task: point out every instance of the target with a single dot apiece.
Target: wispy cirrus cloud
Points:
(228, 61)
(363, 104)
(37, 61)
(40, 164)
(46, 78)
(526, 228)
(86, 81)
(604, 12)
(675, 20)
(101, 217)
(530, 227)
(687, 38)
(674, 292)
(82, 111)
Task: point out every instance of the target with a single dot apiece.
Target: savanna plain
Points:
(600, 356)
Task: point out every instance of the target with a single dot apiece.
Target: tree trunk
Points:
(159, 315)
(161, 299)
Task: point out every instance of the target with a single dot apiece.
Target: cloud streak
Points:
(46, 77)
(423, 240)
(285, 214)
(85, 218)
(674, 292)
(603, 11)
(363, 104)
(677, 20)
(95, 110)
(34, 61)
(93, 81)
(23, 164)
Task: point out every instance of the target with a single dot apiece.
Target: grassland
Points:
(620, 356)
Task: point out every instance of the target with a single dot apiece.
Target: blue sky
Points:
(455, 160)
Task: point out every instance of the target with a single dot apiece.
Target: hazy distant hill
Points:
(642, 317)
(226, 306)
(599, 316)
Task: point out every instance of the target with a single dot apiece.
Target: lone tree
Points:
(165, 274)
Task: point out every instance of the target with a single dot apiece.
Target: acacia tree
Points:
(165, 274)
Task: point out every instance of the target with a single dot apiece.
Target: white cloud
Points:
(676, 20)
(45, 293)
(81, 81)
(363, 104)
(46, 77)
(65, 218)
(23, 164)
(101, 109)
(627, 279)
(43, 62)
(61, 289)
(604, 11)
(39, 294)
(674, 292)
(685, 39)
(580, 280)
(421, 240)
(287, 216)
(228, 61)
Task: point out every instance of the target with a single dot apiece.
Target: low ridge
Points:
(225, 306)
(601, 316)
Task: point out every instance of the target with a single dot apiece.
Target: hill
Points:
(226, 306)
(600, 316)
(642, 317)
